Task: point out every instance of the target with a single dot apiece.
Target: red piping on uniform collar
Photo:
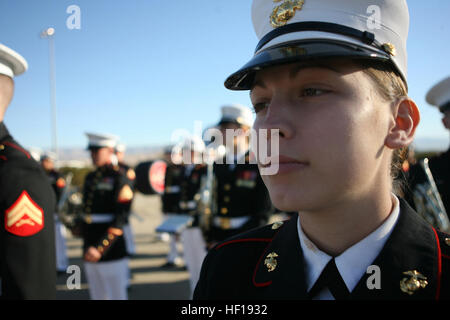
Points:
(268, 283)
(438, 288)
(18, 148)
(243, 240)
(264, 284)
(250, 240)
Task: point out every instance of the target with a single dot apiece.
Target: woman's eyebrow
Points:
(295, 70)
(257, 83)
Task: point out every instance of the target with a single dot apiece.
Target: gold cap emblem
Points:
(271, 262)
(293, 51)
(240, 120)
(285, 12)
(389, 48)
(415, 281)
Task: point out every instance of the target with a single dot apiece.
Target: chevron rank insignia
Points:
(125, 194)
(24, 218)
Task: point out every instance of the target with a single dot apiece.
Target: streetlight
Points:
(48, 34)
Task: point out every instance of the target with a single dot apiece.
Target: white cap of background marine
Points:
(439, 95)
(236, 113)
(49, 155)
(298, 30)
(96, 140)
(11, 63)
(121, 147)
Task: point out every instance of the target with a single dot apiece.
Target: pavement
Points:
(149, 281)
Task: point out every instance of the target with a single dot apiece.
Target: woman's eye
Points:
(257, 107)
(311, 92)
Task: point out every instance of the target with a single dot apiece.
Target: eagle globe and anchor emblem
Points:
(282, 13)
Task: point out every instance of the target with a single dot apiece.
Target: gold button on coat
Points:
(277, 225)
(447, 241)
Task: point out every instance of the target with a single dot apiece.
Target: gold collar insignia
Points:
(415, 281)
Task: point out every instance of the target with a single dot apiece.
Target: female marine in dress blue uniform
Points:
(331, 76)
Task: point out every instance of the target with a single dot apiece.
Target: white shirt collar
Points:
(353, 262)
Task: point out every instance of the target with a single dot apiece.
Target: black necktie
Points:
(330, 278)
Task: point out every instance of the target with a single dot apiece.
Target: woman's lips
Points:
(284, 164)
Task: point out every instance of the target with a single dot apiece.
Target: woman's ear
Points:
(407, 117)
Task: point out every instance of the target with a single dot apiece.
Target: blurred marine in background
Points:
(241, 200)
(430, 178)
(131, 176)
(107, 196)
(58, 184)
(182, 182)
(194, 246)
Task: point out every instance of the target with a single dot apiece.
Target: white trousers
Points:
(107, 280)
(174, 255)
(194, 253)
(62, 261)
(129, 239)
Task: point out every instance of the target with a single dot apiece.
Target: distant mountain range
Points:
(79, 157)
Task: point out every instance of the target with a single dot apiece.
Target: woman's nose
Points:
(276, 118)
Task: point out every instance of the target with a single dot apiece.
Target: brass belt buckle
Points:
(88, 219)
(225, 223)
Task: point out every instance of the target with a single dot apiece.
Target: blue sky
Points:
(144, 68)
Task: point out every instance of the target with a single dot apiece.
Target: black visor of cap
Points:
(300, 51)
(229, 121)
(445, 107)
(94, 147)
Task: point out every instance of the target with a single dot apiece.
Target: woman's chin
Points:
(293, 192)
(286, 200)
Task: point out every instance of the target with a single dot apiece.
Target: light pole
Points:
(48, 34)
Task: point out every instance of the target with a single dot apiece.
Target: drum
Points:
(150, 177)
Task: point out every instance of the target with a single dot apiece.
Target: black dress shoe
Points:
(169, 265)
